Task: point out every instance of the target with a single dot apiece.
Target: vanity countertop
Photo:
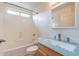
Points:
(62, 51)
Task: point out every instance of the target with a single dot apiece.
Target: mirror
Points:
(64, 16)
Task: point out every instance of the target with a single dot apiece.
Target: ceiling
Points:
(35, 6)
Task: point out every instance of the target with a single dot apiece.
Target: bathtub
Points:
(17, 51)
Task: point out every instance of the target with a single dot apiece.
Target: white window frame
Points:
(13, 12)
(17, 13)
(25, 15)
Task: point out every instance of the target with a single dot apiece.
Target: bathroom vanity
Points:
(51, 47)
(45, 51)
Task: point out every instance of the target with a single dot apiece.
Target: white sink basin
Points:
(65, 46)
(53, 42)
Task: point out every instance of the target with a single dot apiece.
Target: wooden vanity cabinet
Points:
(45, 51)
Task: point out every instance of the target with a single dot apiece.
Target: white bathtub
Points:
(18, 51)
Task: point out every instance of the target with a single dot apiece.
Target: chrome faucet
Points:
(68, 39)
(59, 37)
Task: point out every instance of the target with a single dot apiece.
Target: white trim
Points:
(3, 52)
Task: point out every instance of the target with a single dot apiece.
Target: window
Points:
(18, 13)
(13, 12)
(25, 15)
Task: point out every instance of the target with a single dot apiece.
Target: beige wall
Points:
(10, 28)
